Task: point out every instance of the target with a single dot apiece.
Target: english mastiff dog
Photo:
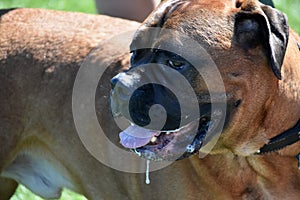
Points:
(213, 87)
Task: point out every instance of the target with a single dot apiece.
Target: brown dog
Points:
(257, 57)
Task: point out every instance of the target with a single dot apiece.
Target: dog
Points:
(255, 52)
(256, 42)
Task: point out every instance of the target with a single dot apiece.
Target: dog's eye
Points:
(176, 64)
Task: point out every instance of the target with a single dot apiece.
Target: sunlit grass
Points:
(23, 193)
(87, 6)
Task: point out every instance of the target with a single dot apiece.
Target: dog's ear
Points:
(156, 19)
(165, 9)
(260, 24)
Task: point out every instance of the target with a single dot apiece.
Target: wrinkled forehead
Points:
(207, 22)
(210, 24)
(221, 27)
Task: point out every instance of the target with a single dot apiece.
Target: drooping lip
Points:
(181, 143)
(166, 145)
(135, 136)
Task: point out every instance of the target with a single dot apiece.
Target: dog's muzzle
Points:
(136, 105)
(159, 123)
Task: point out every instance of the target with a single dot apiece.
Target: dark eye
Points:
(176, 64)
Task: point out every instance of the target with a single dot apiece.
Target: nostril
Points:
(119, 88)
(113, 82)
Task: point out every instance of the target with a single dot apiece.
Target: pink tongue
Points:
(135, 136)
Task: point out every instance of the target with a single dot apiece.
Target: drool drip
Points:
(147, 172)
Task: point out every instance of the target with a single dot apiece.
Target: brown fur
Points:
(40, 53)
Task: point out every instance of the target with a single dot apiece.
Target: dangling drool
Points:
(147, 172)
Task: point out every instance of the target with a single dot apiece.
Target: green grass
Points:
(24, 194)
(87, 6)
(290, 7)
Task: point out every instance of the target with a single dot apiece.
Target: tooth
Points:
(168, 132)
(153, 139)
(138, 153)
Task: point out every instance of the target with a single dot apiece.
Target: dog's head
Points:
(199, 69)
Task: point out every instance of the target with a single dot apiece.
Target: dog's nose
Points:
(120, 89)
(134, 102)
(149, 95)
(114, 81)
(121, 92)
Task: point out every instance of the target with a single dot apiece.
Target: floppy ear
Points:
(155, 19)
(166, 8)
(261, 24)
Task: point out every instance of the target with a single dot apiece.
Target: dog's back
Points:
(40, 54)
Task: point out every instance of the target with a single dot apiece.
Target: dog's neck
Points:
(285, 109)
(283, 140)
(280, 112)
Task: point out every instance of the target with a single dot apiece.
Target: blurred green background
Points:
(87, 6)
(290, 7)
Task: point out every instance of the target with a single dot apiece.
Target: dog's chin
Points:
(169, 145)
